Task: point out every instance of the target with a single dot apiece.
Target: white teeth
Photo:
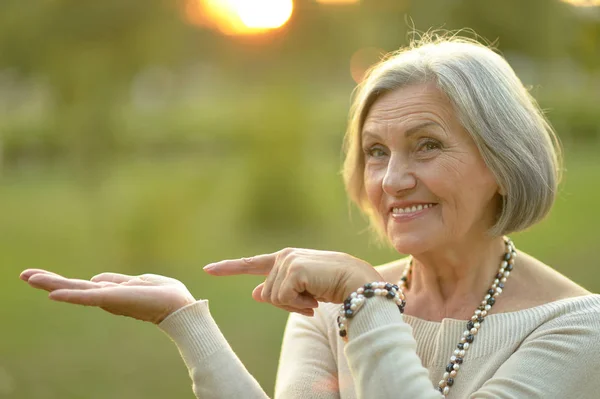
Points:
(409, 209)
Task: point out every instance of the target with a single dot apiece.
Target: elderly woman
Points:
(447, 153)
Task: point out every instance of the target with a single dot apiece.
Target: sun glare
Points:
(583, 3)
(264, 14)
(240, 17)
(337, 1)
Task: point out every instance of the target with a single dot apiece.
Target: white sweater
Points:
(549, 351)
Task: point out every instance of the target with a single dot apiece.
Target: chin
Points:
(410, 243)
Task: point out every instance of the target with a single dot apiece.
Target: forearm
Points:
(382, 356)
(307, 368)
(215, 369)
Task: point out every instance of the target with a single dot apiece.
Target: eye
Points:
(429, 145)
(374, 152)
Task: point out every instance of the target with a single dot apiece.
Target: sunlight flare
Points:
(337, 1)
(583, 3)
(239, 17)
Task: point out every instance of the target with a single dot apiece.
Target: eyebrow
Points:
(413, 130)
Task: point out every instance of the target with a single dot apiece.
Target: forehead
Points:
(407, 106)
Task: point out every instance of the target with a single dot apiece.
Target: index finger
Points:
(259, 265)
(26, 274)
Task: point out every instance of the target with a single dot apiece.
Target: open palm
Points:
(148, 297)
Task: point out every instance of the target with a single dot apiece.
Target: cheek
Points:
(371, 182)
(483, 185)
(464, 187)
(373, 186)
(441, 180)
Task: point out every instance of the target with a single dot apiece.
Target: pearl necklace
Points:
(478, 317)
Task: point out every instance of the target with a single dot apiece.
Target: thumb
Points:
(257, 292)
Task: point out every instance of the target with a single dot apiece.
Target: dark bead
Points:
(369, 293)
(491, 291)
(501, 285)
(491, 301)
(395, 287)
(459, 360)
(401, 308)
(470, 338)
(480, 318)
(368, 286)
(508, 267)
(460, 346)
(347, 305)
(499, 275)
(441, 389)
(349, 313)
(403, 303)
(507, 256)
(390, 295)
(388, 286)
(347, 301)
(449, 367)
(470, 325)
(481, 307)
(342, 333)
(450, 381)
(338, 319)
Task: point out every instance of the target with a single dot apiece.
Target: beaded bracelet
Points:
(356, 300)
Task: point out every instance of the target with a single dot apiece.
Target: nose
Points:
(399, 177)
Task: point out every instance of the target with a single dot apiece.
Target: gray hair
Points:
(513, 136)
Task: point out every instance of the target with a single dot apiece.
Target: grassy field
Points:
(171, 217)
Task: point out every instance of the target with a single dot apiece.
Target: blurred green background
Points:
(136, 137)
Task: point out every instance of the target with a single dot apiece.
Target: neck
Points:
(451, 282)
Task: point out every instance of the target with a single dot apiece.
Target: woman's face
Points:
(424, 176)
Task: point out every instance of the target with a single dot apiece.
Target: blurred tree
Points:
(275, 195)
(586, 48)
(88, 52)
(538, 28)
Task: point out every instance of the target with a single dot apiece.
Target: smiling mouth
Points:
(411, 209)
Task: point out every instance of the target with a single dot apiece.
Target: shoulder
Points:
(569, 328)
(583, 309)
(551, 350)
(575, 320)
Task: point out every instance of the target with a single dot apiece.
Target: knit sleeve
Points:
(382, 355)
(214, 368)
(558, 360)
(307, 368)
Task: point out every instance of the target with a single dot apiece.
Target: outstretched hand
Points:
(148, 297)
(297, 279)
